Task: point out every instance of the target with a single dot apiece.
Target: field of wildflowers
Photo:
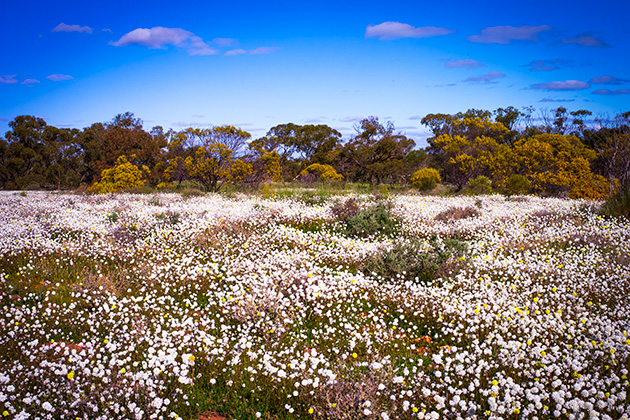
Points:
(162, 307)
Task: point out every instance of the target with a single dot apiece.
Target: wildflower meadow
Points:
(349, 306)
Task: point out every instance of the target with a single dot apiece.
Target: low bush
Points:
(374, 220)
(518, 184)
(478, 186)
(456, 213)
(410, 260)
(425, 179)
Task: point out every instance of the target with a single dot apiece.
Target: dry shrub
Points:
(349, 394)
(457, 213)
(346, 209)
(108, 283)
(215, 236)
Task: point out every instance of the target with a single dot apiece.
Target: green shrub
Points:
(425, 179)
(192, 192)
(410, 260)
(113, 216)
(478, 186)
(517, 184)
(373, 220)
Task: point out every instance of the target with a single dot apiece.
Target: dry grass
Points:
(457, 213)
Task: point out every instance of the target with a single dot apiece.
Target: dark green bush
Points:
(409, 260)
(518, 184)
(478, 186)
(374, 220)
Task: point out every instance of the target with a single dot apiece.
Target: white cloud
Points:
(507, 34)
(395, 30)
(235, 52)
(59, 77)
(415, 118)
(464, 63)
(562, 85)
(62, 27)
(486, 78)
(30, 82)
(8, 79)
(159, 37)
(264, 50)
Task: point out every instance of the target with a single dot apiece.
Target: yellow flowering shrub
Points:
(425, 178)
(327, 172)
(122, 176)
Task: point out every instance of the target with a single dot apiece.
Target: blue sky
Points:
(259, 64)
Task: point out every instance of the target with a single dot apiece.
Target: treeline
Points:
(508, 150)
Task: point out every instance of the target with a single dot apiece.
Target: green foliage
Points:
(414, 260)
(123, 176)
(169, 217)
(478, 186)
(425, 179)
(112, 217)
(517, 184)
(374, 220)
(376, 154)
(192, 192)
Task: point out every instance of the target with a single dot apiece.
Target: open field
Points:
(160, 307)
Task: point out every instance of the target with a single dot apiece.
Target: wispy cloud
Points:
(224, 42)
(30, 82)
(608, 80)
(464, 63)
(353, 118)
(314, 120)
(611, 92)
(395, 30)
(8, 79)
(486, 78)
(562, 85)
(415, 118)
(62, 27)
(257, 51)
(59, 77)
(507, 34)
(556, 100)
(549, 65)
(159, 37)
(235, 52)
(444, 85)
(587, 39)
(264, 50)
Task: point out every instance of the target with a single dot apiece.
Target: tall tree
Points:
(376, 153)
